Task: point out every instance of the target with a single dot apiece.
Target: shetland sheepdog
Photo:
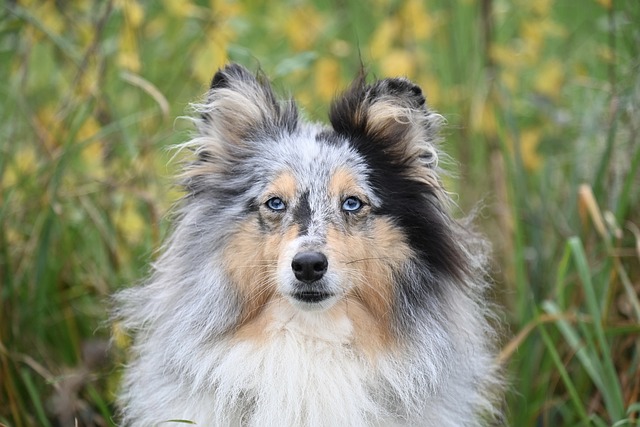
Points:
(314, 275)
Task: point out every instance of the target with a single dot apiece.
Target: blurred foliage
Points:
(543, 104)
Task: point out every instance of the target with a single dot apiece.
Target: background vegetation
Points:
(543, 104)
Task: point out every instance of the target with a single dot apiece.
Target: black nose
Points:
(309, 266)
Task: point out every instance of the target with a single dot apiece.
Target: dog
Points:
(314, 275)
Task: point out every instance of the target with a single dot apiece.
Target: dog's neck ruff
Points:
(302, 369)
(306, 366)
(308, 369)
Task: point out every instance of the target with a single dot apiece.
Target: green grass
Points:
(543, 105)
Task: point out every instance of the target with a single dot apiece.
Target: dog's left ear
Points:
(389, 115)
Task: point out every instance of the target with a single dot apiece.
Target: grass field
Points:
(542, 100)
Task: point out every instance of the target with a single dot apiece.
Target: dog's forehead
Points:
(313, 159)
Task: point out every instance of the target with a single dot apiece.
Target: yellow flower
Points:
(88, 82)
(533, 34)
(541, 7)
(50, 17)
(327, 78)
(605, 53)
(225, 8)
(212, 53)
(128, 55)
(529, 141)
(303, 27)
(505, 56)
(25, 162)
(88, 130)
(305, 100)
(133, 13)
(340, 48)
(120, 337)
(550, 79)
(129, 221)
(48, 126)
(383, 38)
(483, 117)
(91, 153)
(86, 33)
(432, 90)
(398, 63)
(180, 8)
(416, 20)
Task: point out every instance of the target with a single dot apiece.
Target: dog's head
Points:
(316, 215)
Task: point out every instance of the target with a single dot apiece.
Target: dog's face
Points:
(315, 233)
(318, 215)
(311, 233)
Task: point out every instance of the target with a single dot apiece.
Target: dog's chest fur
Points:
(305, 366)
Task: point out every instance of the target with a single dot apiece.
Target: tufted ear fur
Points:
(241, 108)
(239, 115)
(389, 115)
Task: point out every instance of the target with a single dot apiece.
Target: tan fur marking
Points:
(250, 268)
(371, 335)
(389, 120)
(383, 113)
(252, 261)
(256, 328)
(283, 186)
(369, 259)
(239, 109)
(207, 168)
(342, 182)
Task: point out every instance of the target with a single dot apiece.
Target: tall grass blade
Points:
(566, 378)
(610, 386)
(35, 398)
(586, 354)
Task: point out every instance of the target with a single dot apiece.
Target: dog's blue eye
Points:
(351, 204)
(276, 204)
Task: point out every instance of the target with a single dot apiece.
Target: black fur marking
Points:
(253, 206)
(302, 214)
(411, 203)
(330, 137)
(225, 76)
(342, 113)
(414, 297)
(400, 88)
(415, 207)
(264, 227)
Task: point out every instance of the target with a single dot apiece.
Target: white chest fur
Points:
(304, 372)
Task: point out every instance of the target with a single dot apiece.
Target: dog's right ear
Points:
(241, 107)
(239, 115)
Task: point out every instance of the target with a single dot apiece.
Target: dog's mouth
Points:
(311, 296)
